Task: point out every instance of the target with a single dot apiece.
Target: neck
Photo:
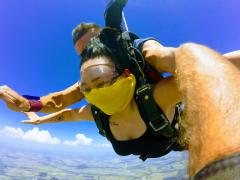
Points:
(126, 110)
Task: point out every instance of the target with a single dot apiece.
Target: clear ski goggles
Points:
(101, 75)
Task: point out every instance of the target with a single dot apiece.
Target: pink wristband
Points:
(35, 105)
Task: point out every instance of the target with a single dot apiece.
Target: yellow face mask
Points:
(115, 97)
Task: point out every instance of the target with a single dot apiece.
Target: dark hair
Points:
(82, 29)
(103, 45)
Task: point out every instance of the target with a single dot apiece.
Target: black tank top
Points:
(147, 144)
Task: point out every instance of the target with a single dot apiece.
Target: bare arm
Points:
(210, 86)
(13, 100)
(163, 58)
(59, 100)
(160, 57)
(234, 57)
(51, 103)
(66, 115)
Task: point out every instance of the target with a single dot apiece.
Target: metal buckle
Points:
(142, 89)
(165, 124)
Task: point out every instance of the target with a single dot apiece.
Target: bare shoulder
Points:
(83, 113)
(166, 93)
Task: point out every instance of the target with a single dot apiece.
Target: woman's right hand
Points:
(13, 100)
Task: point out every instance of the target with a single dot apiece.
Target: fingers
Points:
(13, 100)
(35, 122)
(8, 98)
(7, 94)
(33, 118)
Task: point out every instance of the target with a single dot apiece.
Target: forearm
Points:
(59, 100)
(61, 116)
(66, 115)
(234, 57)
(210, 86)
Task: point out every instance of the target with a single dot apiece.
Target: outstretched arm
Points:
(59, 100)
(66, 115)
(50, 103)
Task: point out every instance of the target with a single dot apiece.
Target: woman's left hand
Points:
(33, 118)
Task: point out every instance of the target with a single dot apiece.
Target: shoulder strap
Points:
(152, 114)
(151, 74)
(100, 119)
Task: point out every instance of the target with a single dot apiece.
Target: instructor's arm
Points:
(50, 103)
(59, 100)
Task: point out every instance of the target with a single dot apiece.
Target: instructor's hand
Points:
(13, 100)
(122, 2)
(33, 118)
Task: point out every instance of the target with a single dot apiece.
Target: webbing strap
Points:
(152, 114)
(100, 119)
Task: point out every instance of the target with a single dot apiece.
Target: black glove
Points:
(113, 13)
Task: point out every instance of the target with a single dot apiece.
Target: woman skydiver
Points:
(112, 90)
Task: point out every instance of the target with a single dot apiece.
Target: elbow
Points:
(67, 115)
(52, 104)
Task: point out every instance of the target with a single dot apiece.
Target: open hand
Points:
(33, 118)
(13, 100)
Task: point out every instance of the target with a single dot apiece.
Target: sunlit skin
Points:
(234, 57)
(71, 95)
(166, 93)
(212, 136)
(210, 85)
(83, 41)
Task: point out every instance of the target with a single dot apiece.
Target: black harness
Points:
(153, 116)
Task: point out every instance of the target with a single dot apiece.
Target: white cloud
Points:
(35, 135)
(44, 136)
(105, 145)
(12, 132)
(81, 139)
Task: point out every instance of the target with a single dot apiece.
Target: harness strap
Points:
(152, 115)
(100, 120)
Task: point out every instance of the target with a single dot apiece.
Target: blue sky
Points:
(37, 55)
